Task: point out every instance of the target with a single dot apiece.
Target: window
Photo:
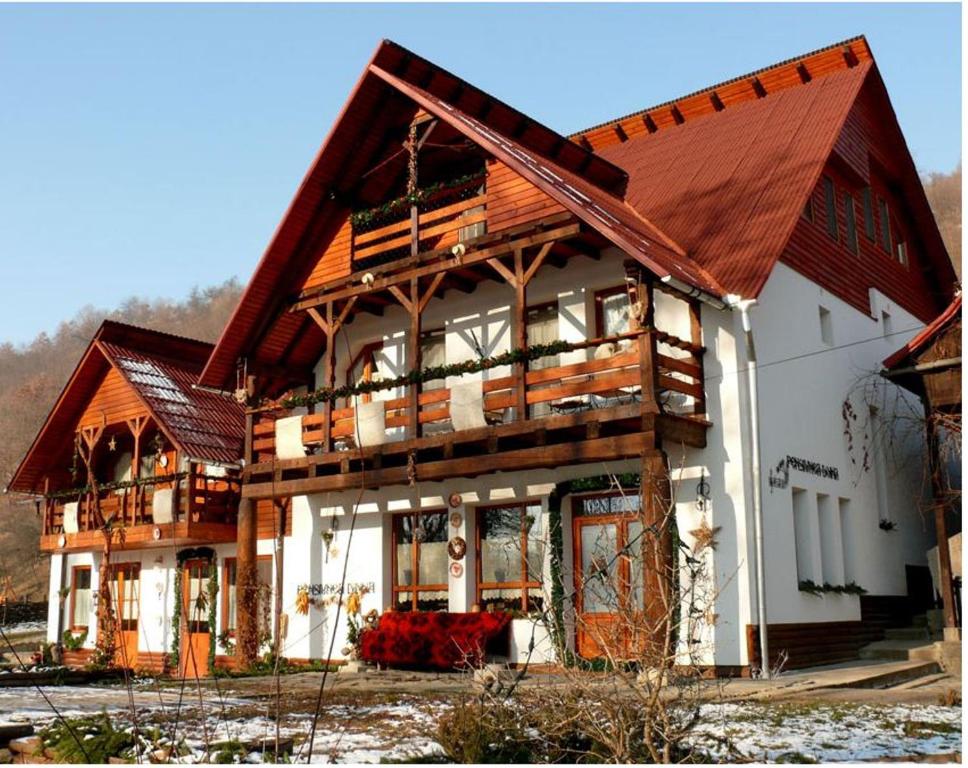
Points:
(363, 368)
(475, 228)
(830, 206)
(420, 561)
(264, 575)
(887, 325)
(612, 311)
(511, 558)
(847, 540)
(831, 547)
(803, 535)
(542, 323)
(80, 597)
(826, 327)
(868, 214)
(902, 254)
(885, 217)
(126, 594)
(433, 353)
(807, 211)
(850, 219)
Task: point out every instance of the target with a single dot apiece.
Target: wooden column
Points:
(940, 503)
(642, 297)
(520, 335)
(658, 519)
(695, 328)
(416, 361)
(246, 575)
(329, 377)
(280, 510)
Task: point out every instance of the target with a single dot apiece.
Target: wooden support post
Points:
(642, 294)
(658, 517)
(280, 510)
(521, 335)
(246, 578)
(329, 377)
(940, 500)
(695, 329)
(416, 361)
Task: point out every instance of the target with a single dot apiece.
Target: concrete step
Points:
(900, 650)
(920, 682)
(908, 633)
(881, 675)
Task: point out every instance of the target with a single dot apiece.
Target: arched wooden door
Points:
(126, 599)
(609, 577)
(195, 630)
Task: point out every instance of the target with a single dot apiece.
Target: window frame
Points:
(74, 571)
(224, 587)
(416, 588)
(599, 297)
(870, 226)
(524, 585)
(850, 221)
(830, 207)
(885, 240)
(425, 336)
(368, 350)
(131, 570)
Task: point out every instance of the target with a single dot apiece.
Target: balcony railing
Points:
(195, 498)
(607, 381)
(454, 215)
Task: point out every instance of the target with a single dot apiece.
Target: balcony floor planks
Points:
(561, 440)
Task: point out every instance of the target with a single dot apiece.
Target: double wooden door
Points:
(126, 603)
(195, 630)
(609, 571)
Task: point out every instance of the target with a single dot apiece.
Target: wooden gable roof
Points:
(161, 370)
(704, 190)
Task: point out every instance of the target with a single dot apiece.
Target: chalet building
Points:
(163, 457)
(482, 360)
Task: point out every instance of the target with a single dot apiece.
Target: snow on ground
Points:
(24, 628)
(829, 732)
(402, 728)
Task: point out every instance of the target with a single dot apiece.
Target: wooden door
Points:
(609, 586)
(126, 599)
(195, 631)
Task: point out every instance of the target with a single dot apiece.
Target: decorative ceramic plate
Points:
(456, 548)
(456, 570)
(454, 500)
(456, 518)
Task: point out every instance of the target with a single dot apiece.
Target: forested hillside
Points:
(944, 194)
(31, 378)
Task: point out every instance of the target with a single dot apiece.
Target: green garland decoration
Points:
(173, 656)
(212, 596)
(116, 486)
(421, 376)
(810, 586)
(362, 220)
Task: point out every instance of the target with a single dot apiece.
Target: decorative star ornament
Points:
(705, 536)
(112, 444)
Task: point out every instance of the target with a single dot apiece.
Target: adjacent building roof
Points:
(162, 369)
(930, 332)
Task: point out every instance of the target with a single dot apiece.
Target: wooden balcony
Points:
(203, 510)
(606, 408)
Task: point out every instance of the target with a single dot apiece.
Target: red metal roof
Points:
(730, 186)
(925, 337)
(161, 368)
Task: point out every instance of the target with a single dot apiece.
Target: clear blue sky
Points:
(148, 149)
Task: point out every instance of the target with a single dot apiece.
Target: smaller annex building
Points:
(134, 448)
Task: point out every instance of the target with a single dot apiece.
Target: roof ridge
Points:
(109, 323)
(710, 88)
